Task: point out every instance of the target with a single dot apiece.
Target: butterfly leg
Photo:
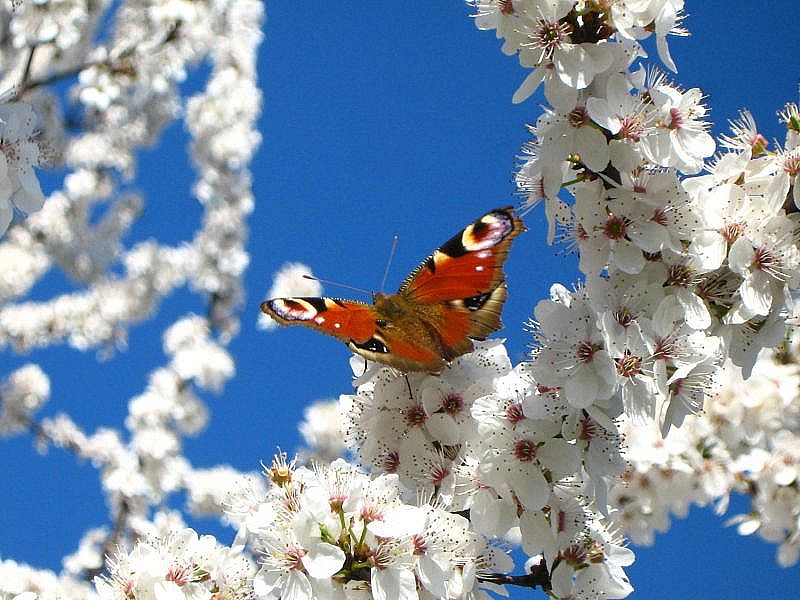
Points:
(408, 385)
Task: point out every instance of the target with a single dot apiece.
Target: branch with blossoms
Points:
(127, 90)
(688, 278)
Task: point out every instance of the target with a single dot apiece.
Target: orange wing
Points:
(468, 265)
(364, 329)
(343, 319)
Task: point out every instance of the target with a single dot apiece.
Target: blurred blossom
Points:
(28, 583)
(322, 431)
(19, 154)
(21, 395)
(195, 356)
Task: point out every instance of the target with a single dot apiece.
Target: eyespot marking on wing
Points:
(297, 309)
(373, 344)
(486, 232)
(472, 303)
(480, 236)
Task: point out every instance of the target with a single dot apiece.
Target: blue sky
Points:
(391, 120)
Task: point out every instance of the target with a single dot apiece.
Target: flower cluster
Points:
(563, 40)
(178, 565)
(129, 91)
(482, 437)
(744, 442)
(145, 470)
(333, 531)
(680, 272)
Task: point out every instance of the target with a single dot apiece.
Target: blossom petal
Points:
(323, 560)
(6, 213)
(707, 250)
(432, 576)
(530, 486)
(580, 389)
(393, 584)
(297, 587)
(697, 315)
(756, 292)
(528, 86)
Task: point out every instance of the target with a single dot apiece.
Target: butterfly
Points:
(454, 296)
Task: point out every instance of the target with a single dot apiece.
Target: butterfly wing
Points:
(467, 265)
(345, 320)
(461, 286)
(361, 327)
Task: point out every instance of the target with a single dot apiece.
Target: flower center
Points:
(680, 276)
(294, 558)
(514, 412)
(588, 430)
(792, 165)
(438, 474)
(631, 128)
(615, 227)
(766, 260)
(660, 217)
(731, 232)
(525, 450)
(585, 351)
(624, 316)
(391, 462)
(676, 118)
(415, 415)
(578, 116)
(550, 35)
(452, 404)
(629, 365)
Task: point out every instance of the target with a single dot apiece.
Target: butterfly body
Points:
(455, 295)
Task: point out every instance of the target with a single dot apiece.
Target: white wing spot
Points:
(479, 268)
(319, 319)
(337, 325)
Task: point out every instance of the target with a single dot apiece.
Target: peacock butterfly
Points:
(455, 294)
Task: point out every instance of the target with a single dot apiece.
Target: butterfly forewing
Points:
(468, 264)
(343, 319)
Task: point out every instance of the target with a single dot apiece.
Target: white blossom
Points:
(21, 395)
(19, 153)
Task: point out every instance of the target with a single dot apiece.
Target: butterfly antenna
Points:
(388, 263)
(336, 283)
